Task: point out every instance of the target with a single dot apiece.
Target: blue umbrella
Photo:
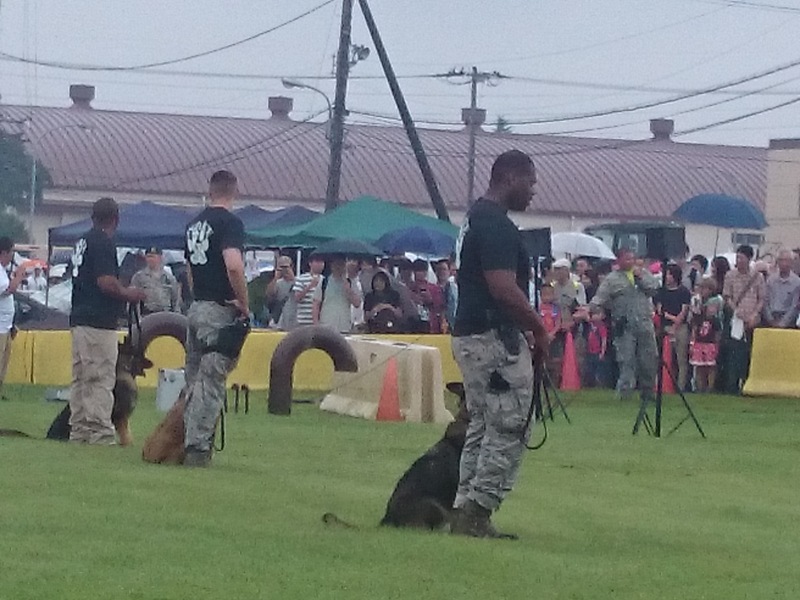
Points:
(418, 240)
(719, 210)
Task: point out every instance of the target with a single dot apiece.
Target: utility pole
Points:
(475, 77)
(339, 108)
(473, 105)
(405, 115)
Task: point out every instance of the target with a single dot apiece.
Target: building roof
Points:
(283, 160)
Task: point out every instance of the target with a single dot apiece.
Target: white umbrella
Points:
(580, 244)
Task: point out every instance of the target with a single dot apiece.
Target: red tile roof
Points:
(282, 160)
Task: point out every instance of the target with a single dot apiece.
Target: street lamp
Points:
(38, 139)
(293, 83)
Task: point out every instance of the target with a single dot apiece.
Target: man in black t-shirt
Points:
(495, 329)
(97, 298)
(214, 246)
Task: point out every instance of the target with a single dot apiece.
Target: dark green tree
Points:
(502, 125)
(12, 226)
(15, 174)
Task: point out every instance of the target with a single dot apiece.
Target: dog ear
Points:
(456, 387)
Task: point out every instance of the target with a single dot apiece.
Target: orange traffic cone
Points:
(570, 376)
(389, 404)
(667, 386)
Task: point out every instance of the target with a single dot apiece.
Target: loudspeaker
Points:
(537, 242)
(665, 242)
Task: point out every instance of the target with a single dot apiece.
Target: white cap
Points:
(562, 263)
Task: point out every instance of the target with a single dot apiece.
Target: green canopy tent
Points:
(365, 219)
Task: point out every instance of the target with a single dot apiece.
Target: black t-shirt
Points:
(672, 301)
(207, 235)
(94, 256)
(488, 241)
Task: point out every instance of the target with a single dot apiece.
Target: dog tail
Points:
(332, 519)
(13, 433)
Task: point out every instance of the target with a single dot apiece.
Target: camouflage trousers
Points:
(637, 357)
(206, 372)
(499, 391)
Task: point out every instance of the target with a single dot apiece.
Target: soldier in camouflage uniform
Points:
(494, 329)
(160, 287)
(626, 294)
(214, 244)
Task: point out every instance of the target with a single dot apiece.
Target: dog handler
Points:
(214, 246)
(97, 297)
(494, 332)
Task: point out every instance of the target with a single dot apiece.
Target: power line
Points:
(607, 42)
(754, 5)
(740, 117)
(163, 63)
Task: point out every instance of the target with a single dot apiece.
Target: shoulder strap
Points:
(324, 287)
(746, 289)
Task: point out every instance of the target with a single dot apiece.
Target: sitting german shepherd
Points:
(130, 364)
(166, 444)
(423, 497)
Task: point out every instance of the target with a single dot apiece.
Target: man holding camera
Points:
(626, 293)
(217, 326)
(495, 329)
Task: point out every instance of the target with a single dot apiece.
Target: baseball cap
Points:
(284, 261)
(562, 263)
(153, 250)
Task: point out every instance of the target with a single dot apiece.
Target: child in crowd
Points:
(596, 347)
(705, 339)
(554, 325)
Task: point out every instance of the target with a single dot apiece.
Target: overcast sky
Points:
(656, 49)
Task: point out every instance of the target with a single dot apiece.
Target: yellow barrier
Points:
(45, 357)
(21, 360)
(773, 364)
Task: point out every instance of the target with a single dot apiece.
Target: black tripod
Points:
(643, 417)
(543, 387)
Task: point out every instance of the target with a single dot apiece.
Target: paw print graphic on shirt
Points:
(77, 256)
(197, 242)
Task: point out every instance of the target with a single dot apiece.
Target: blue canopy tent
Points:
(140, 225)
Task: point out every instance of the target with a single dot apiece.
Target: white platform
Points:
(419, 379)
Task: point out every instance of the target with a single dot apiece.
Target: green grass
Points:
(601, 513)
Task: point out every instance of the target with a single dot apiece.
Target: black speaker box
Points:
(537, 242)
(664, 243)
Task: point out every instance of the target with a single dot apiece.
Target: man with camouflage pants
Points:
(492, 351)
(626, 294)
(214, 243)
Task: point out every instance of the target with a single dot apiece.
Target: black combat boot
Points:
(474, 520)
(197, 458)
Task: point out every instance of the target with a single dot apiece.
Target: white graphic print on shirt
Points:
(197, 241)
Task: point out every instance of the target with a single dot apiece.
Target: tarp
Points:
(255, 217)
(365, 219)
(140, 225)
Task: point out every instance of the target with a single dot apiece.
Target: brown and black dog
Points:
(166, 444)
(423, 497)
(130, 365)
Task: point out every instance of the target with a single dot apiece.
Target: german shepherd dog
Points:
(130, 364)
(423, 498)
(166, 444)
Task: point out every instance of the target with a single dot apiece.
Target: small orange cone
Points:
(389, 404)
(667, 387)
(570, 377)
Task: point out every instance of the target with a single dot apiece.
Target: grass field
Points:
(601, 513)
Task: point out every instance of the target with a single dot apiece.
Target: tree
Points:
(15, 174)
(502, 125)
(12, 226)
